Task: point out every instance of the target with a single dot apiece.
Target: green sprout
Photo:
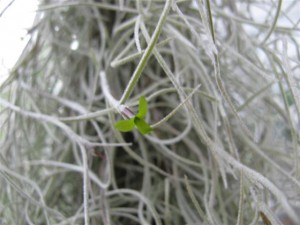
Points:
(135, 120)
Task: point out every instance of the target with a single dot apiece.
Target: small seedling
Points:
(137, 120)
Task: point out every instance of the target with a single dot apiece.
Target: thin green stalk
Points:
(273, 26)
(212, 30)
(140, 67)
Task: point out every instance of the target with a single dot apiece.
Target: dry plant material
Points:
(87, 60)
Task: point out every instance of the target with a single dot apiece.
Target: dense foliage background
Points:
(229, 154)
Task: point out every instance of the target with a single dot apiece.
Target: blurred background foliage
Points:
(230, 155)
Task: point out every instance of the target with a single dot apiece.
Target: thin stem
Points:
(85, 182)
(166, 118)
(139, 69)
(272, 28)
(121, 108)
(106, 90)
(210, 20)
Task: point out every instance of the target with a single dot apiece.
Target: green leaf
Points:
(142, 126)
(125, 125)
(143, 108)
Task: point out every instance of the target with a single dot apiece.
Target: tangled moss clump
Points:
(228, 154)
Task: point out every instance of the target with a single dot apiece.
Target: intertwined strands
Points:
(222, 90)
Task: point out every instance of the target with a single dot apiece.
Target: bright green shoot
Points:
(137, 120)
